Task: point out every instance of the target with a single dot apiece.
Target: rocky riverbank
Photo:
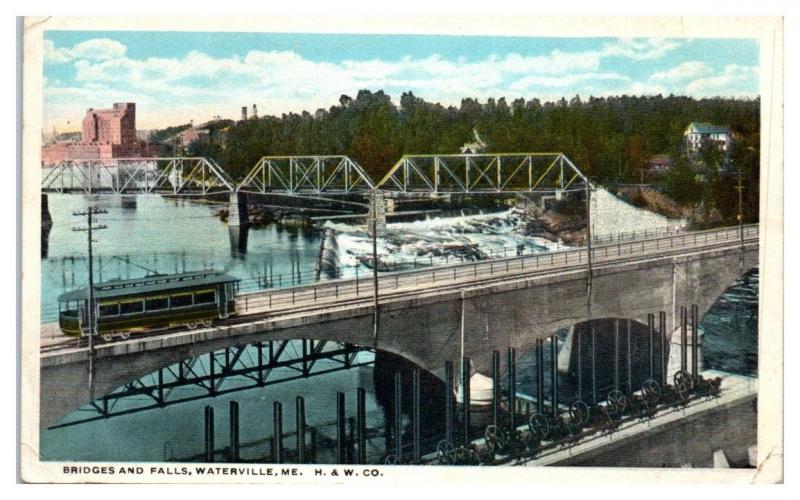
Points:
(260, 217)
(556, 227)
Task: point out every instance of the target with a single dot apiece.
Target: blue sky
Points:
(175, 77)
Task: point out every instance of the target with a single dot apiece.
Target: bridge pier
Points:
(47, 225)
(238, 239)
(237, 209)
(238, 219)
(127, 202)
(46, 218)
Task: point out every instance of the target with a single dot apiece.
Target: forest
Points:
(609, 138)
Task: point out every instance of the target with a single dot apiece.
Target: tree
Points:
(637, 152)
(681, 184)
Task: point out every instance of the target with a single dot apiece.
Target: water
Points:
(730, 343)
(611, 215)
(441, 241)
(166, 236)
(177, 432)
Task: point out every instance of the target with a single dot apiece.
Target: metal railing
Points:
(362, 287)
(636, 235)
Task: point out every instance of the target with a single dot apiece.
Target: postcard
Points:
(384, 250)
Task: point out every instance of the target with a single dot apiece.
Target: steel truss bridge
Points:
(319, 175)
(232, 369)
(173, 175)
(483, 173)
(306, 175)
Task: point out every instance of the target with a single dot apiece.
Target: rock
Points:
(556, 227)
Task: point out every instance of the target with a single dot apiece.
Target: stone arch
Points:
(68, 384)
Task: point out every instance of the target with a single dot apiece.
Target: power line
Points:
(128, 261)
(90, 309)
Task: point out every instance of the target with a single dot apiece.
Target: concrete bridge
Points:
(437, 314)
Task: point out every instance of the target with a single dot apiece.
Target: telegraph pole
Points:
(740, 188)
(589, 240)
(374, 222)
(90, 308)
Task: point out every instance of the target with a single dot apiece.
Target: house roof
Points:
(149, 284)
(708, 128)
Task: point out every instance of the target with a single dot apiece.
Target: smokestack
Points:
(255, 111)
(244, 113)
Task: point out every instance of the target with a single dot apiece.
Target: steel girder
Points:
(173, 175)
(483, 173)
(229, 370)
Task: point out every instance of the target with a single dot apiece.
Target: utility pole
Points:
(374, 222)
(588, 240)
(739, 188)
(90, 306)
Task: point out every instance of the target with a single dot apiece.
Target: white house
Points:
(697, 132)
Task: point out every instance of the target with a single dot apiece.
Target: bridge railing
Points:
(336, 291)
(636, 235)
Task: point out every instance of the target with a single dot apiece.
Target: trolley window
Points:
(132, 307)
(182, 300)
(156, 303)
(208, 297)
(109, 309)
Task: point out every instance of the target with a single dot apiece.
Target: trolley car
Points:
(141, 304)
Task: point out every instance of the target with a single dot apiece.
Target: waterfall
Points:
(328, 261)
(612, 216)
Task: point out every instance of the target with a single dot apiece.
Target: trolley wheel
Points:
(125, 335)
(539, 425)
(391, 460)
(617, 401)
(684, 381)
(651, 390)
(207, 322)
(496, 437)
(107, 337)
(191, 325)
(446, 452)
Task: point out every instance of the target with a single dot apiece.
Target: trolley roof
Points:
(149, 284)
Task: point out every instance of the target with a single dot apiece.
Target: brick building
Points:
(110, 126)
(105, 134)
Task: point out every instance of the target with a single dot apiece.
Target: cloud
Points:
(681, 73)
(735, 80)
(284, 80)
(639, 49)
(96, 49)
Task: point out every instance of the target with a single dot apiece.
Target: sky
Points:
(175, 77)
